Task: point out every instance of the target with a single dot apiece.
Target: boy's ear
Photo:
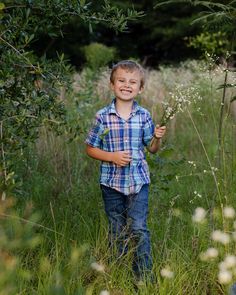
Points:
(140, 90)
(111, 86)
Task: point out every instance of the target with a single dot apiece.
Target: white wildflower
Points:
(104, 292)
(210, 253)
(229, 212)
(222, 266)
(98, 267)
(230, 261)
(192, 163)
(167, 273)
(224, 276)
(220, 236)
(199, 215)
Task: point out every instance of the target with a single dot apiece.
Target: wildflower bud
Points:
(230, 261)
(225, 276)
(229, 212)
(210, 253)
(199, 215)
(167, 273)
(220, 236)
(98, 267)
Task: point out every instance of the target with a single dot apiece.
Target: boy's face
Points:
(126, 84)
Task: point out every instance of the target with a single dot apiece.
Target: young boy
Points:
(118, 137)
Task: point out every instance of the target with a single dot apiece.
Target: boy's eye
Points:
(133, 82)
(121, 80)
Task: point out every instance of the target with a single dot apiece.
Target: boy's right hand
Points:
(122, 158)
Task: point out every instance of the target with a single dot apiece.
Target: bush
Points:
(98, 55)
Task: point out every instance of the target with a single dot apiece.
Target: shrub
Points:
(98, 55)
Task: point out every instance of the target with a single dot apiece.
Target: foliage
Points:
(152, 38)
(16, 236)
(31, 85)
(213, 15)
(213, 43)
(98, 55)
(63, 183)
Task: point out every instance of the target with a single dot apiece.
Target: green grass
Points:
(60, 194)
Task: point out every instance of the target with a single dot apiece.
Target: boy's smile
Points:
(126, 84)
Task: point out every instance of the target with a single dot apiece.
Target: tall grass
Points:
(61, 183)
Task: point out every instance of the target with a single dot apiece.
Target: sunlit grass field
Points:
(55, 238)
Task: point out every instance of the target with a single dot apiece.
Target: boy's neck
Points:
(124, 108)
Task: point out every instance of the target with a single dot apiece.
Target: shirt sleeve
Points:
(148, 130)
(94, 138)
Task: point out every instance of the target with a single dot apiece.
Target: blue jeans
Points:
(127, 217)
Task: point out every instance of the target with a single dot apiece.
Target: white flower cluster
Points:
(229, 212)
(98, 267)
(199, 215)
(209, 254)
(220, 236)
(192, 164)
(167, 273)
(197, 194)
(181, 97)
(227, 267)
(214, 169)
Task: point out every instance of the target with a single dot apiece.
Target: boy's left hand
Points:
(159, 131)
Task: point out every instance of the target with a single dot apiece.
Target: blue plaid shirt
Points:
(111, 133)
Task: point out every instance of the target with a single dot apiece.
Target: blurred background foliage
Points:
(162, 35)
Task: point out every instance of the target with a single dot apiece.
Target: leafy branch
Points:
(216, 13)
(30, 84)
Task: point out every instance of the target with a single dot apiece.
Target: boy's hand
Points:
(121, 158)
(159, 131)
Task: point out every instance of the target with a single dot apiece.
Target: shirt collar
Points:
(112, 108)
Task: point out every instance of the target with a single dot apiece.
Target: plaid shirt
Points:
(111, 133)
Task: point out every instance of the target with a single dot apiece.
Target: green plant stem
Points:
(33, 224)
(204, 149)
(55, 233)
(221, 118)
(3, 155)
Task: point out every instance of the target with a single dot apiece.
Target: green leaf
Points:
(166, 153)
(105, 132)
(2, 6)
(82, 2)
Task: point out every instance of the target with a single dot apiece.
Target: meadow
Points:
(54, 236)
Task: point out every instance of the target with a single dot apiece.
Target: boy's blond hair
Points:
(130, 66)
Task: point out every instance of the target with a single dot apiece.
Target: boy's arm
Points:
(156, 140)
(121, 158)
